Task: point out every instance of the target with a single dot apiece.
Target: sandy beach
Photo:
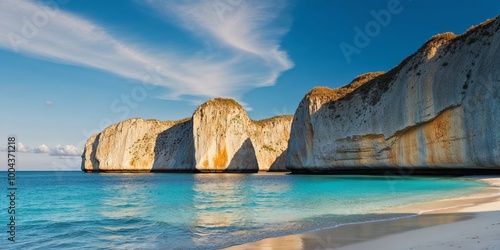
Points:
(471, 222)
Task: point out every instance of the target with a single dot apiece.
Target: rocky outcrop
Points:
(226, 139)
(219, 137)
(438, 109)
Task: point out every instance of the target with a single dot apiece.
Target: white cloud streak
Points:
(21, 148)
(58, 150)
(247, 56)
(245, 26)
(42, 149)
(67, 150)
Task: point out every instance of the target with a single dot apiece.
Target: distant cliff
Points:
(219, 137)
(438, 109)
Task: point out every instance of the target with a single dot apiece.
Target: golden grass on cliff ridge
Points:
(158, 122)
(329, 94)
(483, 29)
(274, 119)
(227, 102)
(378, 82)
(220, 102)
(363, 78)
(484, 24)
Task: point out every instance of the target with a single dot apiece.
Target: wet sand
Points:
(471, 222)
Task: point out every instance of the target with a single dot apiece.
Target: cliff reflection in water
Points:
(233, 204)
(124, 198)
(219, 210)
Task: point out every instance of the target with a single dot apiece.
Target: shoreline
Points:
(466, 222)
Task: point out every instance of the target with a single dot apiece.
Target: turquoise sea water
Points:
(75, 210)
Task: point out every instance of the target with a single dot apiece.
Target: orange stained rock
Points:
(408, 146)
(437, 136)
(220, 159)
(441, 137)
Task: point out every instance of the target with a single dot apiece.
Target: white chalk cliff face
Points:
(438, 109)
(220, 137)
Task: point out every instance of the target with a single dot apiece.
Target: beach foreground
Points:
(471, 222)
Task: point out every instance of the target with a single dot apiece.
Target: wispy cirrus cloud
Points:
(245, 26)
(248, 54)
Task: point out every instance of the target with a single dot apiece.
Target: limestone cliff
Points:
(219, 137)
(440, 108)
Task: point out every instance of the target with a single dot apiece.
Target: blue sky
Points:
(69, 68)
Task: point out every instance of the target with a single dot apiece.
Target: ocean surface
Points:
(76, 210)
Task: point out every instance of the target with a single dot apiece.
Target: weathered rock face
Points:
(220, 137)
(227, 140)
(440, 108)
(140, 145)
